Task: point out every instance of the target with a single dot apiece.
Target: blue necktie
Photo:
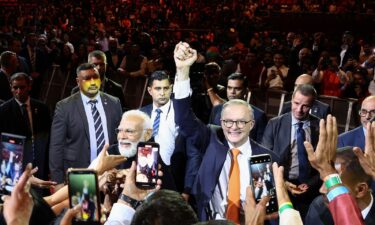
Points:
(99, 132)
(155, 127)
(302, 156)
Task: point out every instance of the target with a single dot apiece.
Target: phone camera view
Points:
(147, 165)
(11, 161)
(83, 192)
(263, 182)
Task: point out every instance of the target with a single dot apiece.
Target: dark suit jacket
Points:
(70, 137)
(5, 93)
(355, 138)
(178, 160)
(319, 214)
(319, 109)
(40, 60)
(12, 122)
(213, 147)
(277, 138)
(110, 87)
(259, 116)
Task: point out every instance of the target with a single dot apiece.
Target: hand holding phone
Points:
(262, 180)
(147, 164)
(83, 190)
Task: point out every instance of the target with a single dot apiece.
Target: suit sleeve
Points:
(261, 126)
(267, 140)
(57, 144)
(340, 142)
(345, 211)
(194, 159)
(190, 126)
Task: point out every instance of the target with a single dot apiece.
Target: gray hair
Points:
(238, 102)
(138, 113)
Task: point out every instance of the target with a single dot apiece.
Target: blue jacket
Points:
(211, 144)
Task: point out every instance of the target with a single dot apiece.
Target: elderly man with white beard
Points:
(135, 127)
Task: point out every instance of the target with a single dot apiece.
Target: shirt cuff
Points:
(181, 89)
(120, 213)
(290, 216)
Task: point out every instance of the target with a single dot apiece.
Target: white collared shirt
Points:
(218, 202)
(167, 131)
(366, 210)
(90, 121)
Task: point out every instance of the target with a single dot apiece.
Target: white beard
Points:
(130, 151)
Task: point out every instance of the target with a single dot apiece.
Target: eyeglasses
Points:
(126, 131)
(239, 123)
(364, 112)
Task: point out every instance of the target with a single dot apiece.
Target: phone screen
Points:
(83, 190)
(262, 180)
(147, 164)
(11, 167)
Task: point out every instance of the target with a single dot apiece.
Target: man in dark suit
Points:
(82, 123)
(318, 109)
(356, 137)
(15, 46)
(36, 61)
(9, 63)
(236, 89)
(358, 182)
(172, 145)
(285, 136)
(99, 59)
(215, 145)
(28, 117)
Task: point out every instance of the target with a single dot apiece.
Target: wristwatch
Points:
(131, 201)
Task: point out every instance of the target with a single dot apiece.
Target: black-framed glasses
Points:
(239, 123)
(364, 112)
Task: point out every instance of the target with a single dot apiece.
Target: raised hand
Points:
(367, 158)
(325, 151)
(106, 161)
(184, 56)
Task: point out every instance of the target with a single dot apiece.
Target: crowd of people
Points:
(198, 82)
(217, 157)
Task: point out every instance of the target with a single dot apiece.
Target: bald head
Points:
(367, 111)
(303, 79)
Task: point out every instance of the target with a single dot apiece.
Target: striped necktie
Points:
(155, 127)
(99, 133)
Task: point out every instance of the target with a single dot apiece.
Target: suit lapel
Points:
(107, 111)
(82, 113)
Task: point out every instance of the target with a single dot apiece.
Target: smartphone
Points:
(83, 190)
(262, 181)
(11, 164)
(147, 164)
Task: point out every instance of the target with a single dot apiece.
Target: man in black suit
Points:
(15, 46)
(236, 89)
(9, 64)
(318, 109)
(285, 136)
(29, 117)
(36, 61)
(99, 59)
(358, 182)
(172, 145)
(82, 123)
